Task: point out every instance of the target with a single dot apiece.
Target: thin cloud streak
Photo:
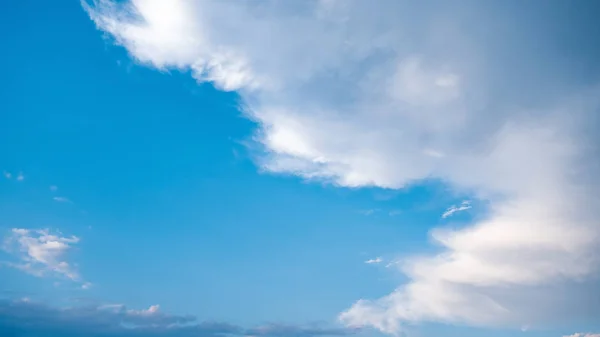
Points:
(465, 205)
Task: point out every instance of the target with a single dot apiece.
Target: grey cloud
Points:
(27, 319)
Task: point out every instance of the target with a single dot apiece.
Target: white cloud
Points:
(7, 174)
(579, 334)
(20, 176)
(465, 205)
(374, 261)
(41, 253)
(388, 94)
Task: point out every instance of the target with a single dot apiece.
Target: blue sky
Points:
(299, 168)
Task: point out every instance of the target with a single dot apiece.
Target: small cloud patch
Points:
(374, 261)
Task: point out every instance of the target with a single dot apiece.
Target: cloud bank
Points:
(26, 318)
(390, 93)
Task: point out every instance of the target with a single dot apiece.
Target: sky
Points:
(221, 168)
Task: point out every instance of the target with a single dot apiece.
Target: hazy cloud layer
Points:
(388, 93)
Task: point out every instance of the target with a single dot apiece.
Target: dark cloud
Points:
(31, 319)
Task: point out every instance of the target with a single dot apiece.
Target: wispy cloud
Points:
(62, 199)
(579, 334)
(20, 176)
(374, 261)
(392, 263)
(465, 205)
(7, 174)
(41, 253)
(368, 212)
(394, 212)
